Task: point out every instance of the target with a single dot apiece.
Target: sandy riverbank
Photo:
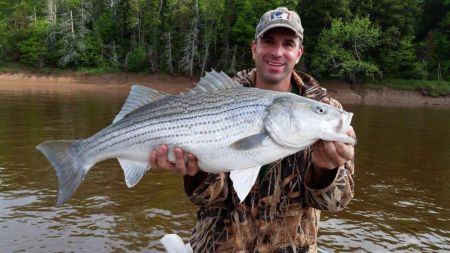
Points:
(119, 83)
(116, 83)
(383, 97)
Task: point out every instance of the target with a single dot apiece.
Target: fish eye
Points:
(320, 110)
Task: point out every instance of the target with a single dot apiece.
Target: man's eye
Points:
(289, 44)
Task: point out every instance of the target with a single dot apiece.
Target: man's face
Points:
(275, 54)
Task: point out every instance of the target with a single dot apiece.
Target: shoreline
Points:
(120, 83)
(382, 97)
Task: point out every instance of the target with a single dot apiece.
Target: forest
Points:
(353, 40)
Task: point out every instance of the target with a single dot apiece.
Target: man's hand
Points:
(330, 154)
(326, 157)
(159, 160)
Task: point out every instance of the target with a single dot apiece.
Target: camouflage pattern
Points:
(281, 213)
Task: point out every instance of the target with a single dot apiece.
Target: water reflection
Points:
(402, 184)
(104, 214)
(401, 202)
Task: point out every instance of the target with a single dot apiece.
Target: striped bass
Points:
(228, 127)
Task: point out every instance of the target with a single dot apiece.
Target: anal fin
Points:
(243, 180)
(133, 171)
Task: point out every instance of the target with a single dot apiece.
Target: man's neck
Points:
(283, 85)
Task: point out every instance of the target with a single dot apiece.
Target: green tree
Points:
(403, 14)
(317, 15)
(434, 12)
(92, 55)
(3, 39)
(172, 17)
(435, 46)
(361, 8)
(104, 26)
(136, 60)
(342, 49)
(398, 56)
(33, 49)
(190, 48)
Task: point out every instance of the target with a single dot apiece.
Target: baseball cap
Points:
(280, 17)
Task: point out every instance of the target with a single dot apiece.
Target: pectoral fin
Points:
(251, 142)
(243, 180)
(133, 171)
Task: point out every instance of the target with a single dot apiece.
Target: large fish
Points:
(229, 128)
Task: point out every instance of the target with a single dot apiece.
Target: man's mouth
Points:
(274, 64)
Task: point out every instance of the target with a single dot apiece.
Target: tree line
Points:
(347, 39)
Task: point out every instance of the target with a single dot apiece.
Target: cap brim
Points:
(276, 26)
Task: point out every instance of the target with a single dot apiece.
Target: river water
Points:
(402, 199)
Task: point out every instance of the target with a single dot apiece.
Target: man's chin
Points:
(274, 78)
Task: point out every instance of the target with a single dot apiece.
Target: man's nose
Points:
(277, 50)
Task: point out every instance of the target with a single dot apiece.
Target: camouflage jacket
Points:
(281, 213)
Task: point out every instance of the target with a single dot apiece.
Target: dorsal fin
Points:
(138, 97)
(214, 81)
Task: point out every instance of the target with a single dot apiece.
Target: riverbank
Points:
(119, 83)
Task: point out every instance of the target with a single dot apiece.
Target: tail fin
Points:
(68, 167)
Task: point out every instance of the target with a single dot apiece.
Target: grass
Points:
(96, 70)
(427, 88)
(15, 67)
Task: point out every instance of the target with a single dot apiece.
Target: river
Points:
(401, 202)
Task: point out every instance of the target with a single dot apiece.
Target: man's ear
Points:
(253, 48)
(300, 53)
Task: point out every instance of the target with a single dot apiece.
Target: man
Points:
(281, 213)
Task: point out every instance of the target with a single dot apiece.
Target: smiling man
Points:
(277, 49)
(282, 211)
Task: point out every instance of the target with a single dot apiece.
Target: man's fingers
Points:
(319, 151)
(320, 157)
(345, 151)
(180, 164)
(192, 167)
(328, 154)
(159, 160)
(351, 132)
(154, 159)
(163, 161)
(330, 150)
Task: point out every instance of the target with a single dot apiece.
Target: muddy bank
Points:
(119, 84)
(113, 84)
(384, 97)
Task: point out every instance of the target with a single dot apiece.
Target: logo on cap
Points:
(279, 15)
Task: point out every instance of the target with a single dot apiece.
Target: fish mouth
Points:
(344, 122)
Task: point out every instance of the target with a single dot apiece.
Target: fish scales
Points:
(229, 128)
(150, 115)
(226, 112)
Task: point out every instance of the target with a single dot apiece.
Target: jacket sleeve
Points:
(336, 195)
(212, 191)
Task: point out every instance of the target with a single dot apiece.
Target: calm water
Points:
(401, 203)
